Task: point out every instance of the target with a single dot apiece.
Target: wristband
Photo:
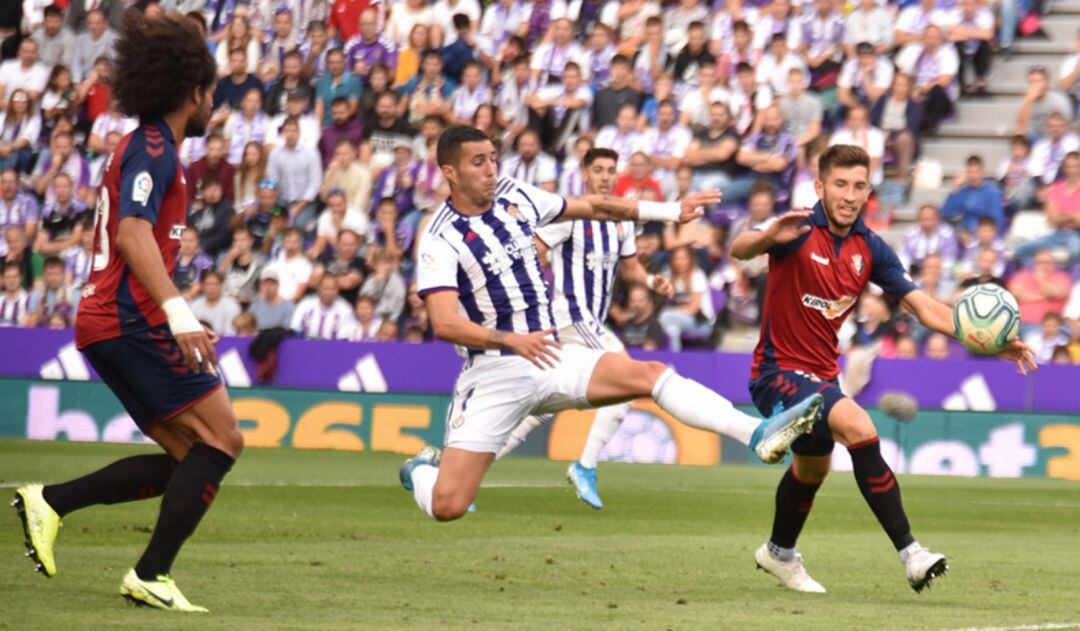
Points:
(659, 211)
(650, 281)
(181, 318)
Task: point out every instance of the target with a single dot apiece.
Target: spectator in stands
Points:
(472, 94)
(245, 325)
(213, 307)
(914, 21)
(1015, 178)
(869, 23)
(711, 153)
(1040, 103)
(61, 220)
(293, 268)
(56, 42)
(1049, 152)
(934, 280)
(970, 26)
(623, 137)
(692, 56)
(368, 48)
(988, 267)
(344, 264)
(54, 295)
(18, 255)
(768, 155)
(930, 236)
(61, 158)
(291, 81)
(637, 181)
(389, 234)
(1049, 335)
(238, 36)
(985, 238)
(858, 131)
(345, 172)
(1062, 206)
(559, 110)
(873, 322)
(298, 171)
(283, 41)
(898, 115)
(864, 78)
(61, 100)
(248, 124)
(191, 264)
(738, 50)
(938, 347)
(250, 172)
(79, 259)
(1069, 74)
(94, 92)
(640, 327)
(906, 348)
(1040, 288)
(397, 181)
(93, 43)
(210, 216)
(383, 131)
(343, 126)
(234, 87)
(777, 64)
(269, 309)
(17, 208)
(296, 106)
(337, 216)
(111, 120)
(20, 127)
(241, 266)
(821, 36)
(16, 301)
(973, 196)
(324, 315)
(803, 112)
(933, 66)
(212, 165)
(610, 99)
(529, 164)
(690, 310)
(429, 93)
(264, 218)
(666, 143)
(748, 98)
(367, 320)
(695, 103)
(23, 73)
(385, 286)
(336, 84)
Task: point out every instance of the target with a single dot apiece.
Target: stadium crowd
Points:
(318, 172)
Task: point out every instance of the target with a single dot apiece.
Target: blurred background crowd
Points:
(318, 170)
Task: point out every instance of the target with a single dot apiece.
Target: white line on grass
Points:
(1025, 627)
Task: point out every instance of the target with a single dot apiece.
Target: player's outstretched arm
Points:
(633, 271)
(938, 316)
(611, 208)
(446, 320)
(784, 229)
(135, 240)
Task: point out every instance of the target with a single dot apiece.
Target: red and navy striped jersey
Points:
(813, 284)
(143, 178)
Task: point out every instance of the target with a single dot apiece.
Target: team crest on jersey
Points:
(513, 211)
(177, 231)
(856, 260)
(141, 187)
(831, 309)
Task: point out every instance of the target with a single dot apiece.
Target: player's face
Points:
(843, 193)
(200, 118)
(600, 176)
(476, 173)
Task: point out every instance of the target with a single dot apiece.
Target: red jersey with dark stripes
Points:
(143, 178)
(813, 284)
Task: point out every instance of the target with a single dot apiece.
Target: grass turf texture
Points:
(328, 540)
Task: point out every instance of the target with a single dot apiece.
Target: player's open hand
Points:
(662, 285)
(199, 351)
(691, 205)
(786, 228)
(538, 347)
(1021, 355)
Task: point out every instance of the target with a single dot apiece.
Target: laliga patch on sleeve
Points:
(428, 262)
(140, 190)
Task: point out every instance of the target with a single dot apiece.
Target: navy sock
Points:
(794, 499)
(188, 496)
(881, 491)
(126, 480)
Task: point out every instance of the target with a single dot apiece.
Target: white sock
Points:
(908, 549)
(423, 479)
(697, 406)
(603, 428)
(521, 432)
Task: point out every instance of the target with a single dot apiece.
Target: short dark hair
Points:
(572, 65)
(653, 20)
(1020, 139)
(461, 21)
(291, 121)
(696, 25)
(620, 60)
(339, 100)
(742, 66)
(842, 156)
(211, 272)
(54, 11)
(740, 25)
(974, 161)
(209, 181)
(336, 50)
(159, 64)
(53, 261)
(762, 187)
(597, 153)
(448, 148)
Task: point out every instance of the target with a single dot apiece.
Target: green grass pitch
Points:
(328, 540)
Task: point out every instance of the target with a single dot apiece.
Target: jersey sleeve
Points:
(887, 271)
(555, 233)
(438, 266)
(628, 245)
(544, 206)
(144, 179)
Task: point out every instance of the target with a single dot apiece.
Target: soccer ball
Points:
(986, 319)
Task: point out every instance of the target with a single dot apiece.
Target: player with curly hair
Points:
(136, 330)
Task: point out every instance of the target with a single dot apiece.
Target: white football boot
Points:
(923, 566)
(791, 573)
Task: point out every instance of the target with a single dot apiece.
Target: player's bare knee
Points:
(652, 371)
(232, 441)
(855, 428)
(448, 507)
(810, 470)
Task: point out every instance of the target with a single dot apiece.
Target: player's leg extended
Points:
(445, 488)
(794, 499)
(618, 378)
(582, 474)
(522, 431)
(852, 427)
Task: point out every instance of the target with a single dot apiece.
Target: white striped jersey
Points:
(585, 257)
(490, 259)
(315, 321)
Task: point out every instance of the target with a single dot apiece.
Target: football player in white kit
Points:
(480, 278)
(585, 258)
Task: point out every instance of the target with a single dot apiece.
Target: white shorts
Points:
(493, 394)
(591, 334)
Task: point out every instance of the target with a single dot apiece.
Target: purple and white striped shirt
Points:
(467, 101)
(315, 321)
(13, 308)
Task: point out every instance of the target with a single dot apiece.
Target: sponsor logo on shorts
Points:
(831, 309)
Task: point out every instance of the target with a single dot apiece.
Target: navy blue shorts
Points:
(778, 390)
(146, 371)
